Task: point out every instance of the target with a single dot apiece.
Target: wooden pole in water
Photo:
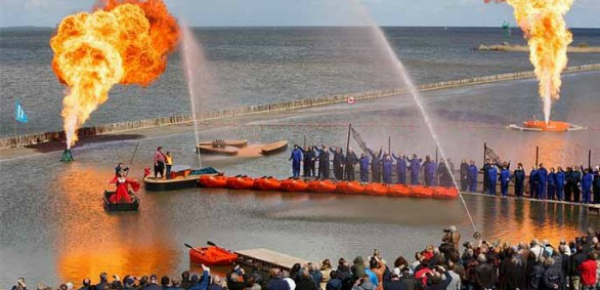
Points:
(304, 143)
(484, 152)
(390, 145)
(537, 155)
(348, 142)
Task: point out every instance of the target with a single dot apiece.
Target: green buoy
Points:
(67, 156)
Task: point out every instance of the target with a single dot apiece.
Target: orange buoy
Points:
(399, 190)
(445, 192)
(324, 186)
(240, 182)
(294, 185)
(340, 187)
(421, 191)
(354, 187)
(271, 183)
(312, 185)
(376, 189)
(213, 181)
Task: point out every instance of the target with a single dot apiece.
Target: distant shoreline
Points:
(523, 48)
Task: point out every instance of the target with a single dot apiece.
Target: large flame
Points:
(543, 25)
(121, 42)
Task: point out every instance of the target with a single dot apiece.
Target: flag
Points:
(20, 113)
(489, 153)
(359, 140)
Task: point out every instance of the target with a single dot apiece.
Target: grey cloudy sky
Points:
(585, 13)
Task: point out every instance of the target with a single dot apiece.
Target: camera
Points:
(446, 230)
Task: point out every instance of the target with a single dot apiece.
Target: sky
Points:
(48, 13)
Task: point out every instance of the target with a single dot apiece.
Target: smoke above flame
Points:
(544, 27)
(120, 42)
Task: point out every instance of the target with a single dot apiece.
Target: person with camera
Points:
(450, 241)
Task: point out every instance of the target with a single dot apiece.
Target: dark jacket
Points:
(334, 284)
(535, 277)
(305, 284)
(277, 284)
(485, 276)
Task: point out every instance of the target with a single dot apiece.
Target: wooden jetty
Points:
(266, 259)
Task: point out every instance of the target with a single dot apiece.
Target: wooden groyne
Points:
(87, 132)
(524, 48)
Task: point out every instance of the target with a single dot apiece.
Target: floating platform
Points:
(240, 148)
(267, 259)
(183, 179)
(542, 126)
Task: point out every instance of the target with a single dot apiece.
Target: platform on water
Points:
(591, 207)
(267, 259)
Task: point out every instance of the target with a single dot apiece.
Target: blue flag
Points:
(20, 113)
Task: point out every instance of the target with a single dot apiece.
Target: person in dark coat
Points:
(485, 170)
(472, 176)
(569, 184)
(364, 168)
(542, 182)
(237, 279)
(103, 281)
(430, 171)
(185, 280)
(552, 184)
(388, 165)
(533, 183)
(596, 186)
(535, 276)
(400, 168)
(376, 159)
(464, 175)
(484, 274)
(323, 162)
(275, 281)
(296, 159)
(338, 163)
(415, 168)
(305, 282)
(334, 282)
(575, 182)
(307, 161)
(519, 179)
(443, 173)
(553, 277)
(560, 184)
(351, 160)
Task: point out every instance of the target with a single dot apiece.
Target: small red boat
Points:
(354, 187)
(240, 182)
(376, 189)
(213, 181)
(267, 183)
(212, 256)
(294, 185)
(399, 190)
(445, 192)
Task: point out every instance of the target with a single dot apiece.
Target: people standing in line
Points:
(472, 176)
(486, 179)
(388, 165)
(323, 162)
(542, 180)
(415, 169)
(569, 184)
(350, 161)
(504, 180)
(464, 175)
(338, 163)
(560, 184)
(492, 175)
(429, 168)
(159, 163)
(168, 163)
(552, 184)
(575, 181)
(444, 176)
(533, 183)
(519, 179)
(400, 168)
(376, 165)
(364, 168)
(296, 158)
(586, 185)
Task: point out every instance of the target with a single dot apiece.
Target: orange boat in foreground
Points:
(212, 256)
(240, 182)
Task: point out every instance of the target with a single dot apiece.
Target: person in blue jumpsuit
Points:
(388, 165)
(542, 181)
(430, 170)
(552, 184)
(415, 168)
(323, 162)
(307, 160)
(492, 177)
(586, 185)
(560, 184)
(472, 176)
(376, 165)
(296, 158)
(364, 167)
(400, 168)
(519, 178)
(533, 183)
(338, 163)
(504, 180)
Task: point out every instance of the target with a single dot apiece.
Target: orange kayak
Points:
(293, 185)
(445, 192)
(421, 191)
(267, 183)
(212, 256)
(213, 181)
(312, 186)
(354, 187)
(340, 187)
(399, 190)
(324, 186)
(241, 182)
(376, 189)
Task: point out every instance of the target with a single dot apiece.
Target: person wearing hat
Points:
(159, 163)
(452, 237)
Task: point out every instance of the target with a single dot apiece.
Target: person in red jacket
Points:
(588, 272)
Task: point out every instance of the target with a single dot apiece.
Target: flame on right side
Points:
(544, 27)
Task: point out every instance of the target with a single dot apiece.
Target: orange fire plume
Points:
(543, 24)
(121, 42)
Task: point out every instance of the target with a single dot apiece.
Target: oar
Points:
(215, 245)
(192, 248)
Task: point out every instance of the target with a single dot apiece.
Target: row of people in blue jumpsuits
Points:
(379, 165)
(575, 184)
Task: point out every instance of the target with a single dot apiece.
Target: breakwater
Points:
(524, 48)
(87, 132)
